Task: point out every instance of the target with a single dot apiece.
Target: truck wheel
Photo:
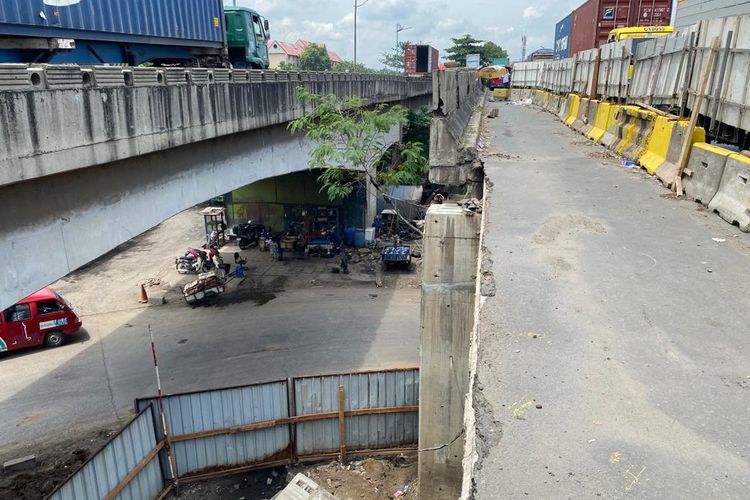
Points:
(54, 339)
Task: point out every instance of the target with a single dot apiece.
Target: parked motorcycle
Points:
(194, 261)
(247, 234)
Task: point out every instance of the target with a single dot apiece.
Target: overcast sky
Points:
(433, 22)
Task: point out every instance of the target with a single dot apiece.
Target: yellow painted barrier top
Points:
(714, 149)
(741, 158)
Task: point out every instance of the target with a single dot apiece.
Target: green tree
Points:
(351, 139)
(490, 51)
(315, 58)
(467, 44)
(395, 58)
(286, 66)
(462, 47)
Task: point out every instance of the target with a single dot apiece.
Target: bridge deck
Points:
(614, 358)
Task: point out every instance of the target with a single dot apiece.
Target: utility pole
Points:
(356, 6)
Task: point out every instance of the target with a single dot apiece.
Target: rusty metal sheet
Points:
(364, 390)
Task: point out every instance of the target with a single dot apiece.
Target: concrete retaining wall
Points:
(83, 118)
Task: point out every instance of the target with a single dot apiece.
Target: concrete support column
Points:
(451, 250)
(371, 203)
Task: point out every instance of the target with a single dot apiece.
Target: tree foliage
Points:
(351, 139)
(315, 58)
(467, 44)
(395, 57)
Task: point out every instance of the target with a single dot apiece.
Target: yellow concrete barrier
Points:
(601, 118)
(588, 123)
(582, 116)
(620, 131)
(643, 126)
(562, 114)
(573, 107)
(665, 167)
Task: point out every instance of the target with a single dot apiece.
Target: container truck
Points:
(592, 22)
(420, 59)
(200, 32)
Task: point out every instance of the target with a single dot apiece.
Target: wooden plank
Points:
(657, 111)
(694, 113)
(266, 424)
(342, 423)
(133, 473)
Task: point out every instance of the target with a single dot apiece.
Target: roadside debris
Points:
(719, 240)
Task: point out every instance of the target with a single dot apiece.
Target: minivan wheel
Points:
(54, 339)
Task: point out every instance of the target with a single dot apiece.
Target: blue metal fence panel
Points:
(364, 390)
(100, 475)
(193, 22)
(220, 409)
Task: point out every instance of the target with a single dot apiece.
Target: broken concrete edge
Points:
(19, 464)
(461, 167)
(470, 431)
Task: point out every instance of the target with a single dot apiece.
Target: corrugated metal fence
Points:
(252, 426)
(660, 72)
(126, 468)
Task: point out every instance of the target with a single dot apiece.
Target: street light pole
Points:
(356, 6)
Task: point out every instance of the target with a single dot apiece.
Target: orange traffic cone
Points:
(143, 299)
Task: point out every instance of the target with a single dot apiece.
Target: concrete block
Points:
(14, 76)
(667, 170)
(705, 170)
(588, 124)
(581, 115)
(107, 76)
(222, 75)
(643, 126)
(19, 464)
(199, 76)
(564, 108)
(63, 76)
(574, 105)
(601, 118)
(620, 129)
(176, 76)
(732, 200)
(147, 77)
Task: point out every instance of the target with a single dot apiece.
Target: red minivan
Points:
(41, 318)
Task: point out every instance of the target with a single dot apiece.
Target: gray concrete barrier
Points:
(704, 172)
(581, 118)
(732, 200)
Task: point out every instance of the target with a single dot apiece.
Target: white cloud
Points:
(533, 12)
(433, 22)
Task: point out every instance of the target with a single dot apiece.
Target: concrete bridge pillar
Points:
(451, 253)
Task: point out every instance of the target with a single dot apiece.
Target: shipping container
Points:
(178, 28)
(690, 12)
(592, 21)
(420, 59)
(562, 37)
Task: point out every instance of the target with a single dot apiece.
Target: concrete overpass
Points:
(91, 157)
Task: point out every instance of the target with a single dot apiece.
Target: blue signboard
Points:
(609, 13)
(562, 37)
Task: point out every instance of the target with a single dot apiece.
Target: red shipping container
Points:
(420, 59)
(592, 21)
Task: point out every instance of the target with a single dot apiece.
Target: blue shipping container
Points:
(562, 37)
(189, 23)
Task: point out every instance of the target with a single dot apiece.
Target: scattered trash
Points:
(719, 240)
(709, 270)
(494, 112)
(470, 204)
(399, 493)
(591, 440)
(628, 164)
(518, 350)
(538, 407)
(269, 481)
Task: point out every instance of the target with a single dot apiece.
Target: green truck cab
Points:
(247, 36)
